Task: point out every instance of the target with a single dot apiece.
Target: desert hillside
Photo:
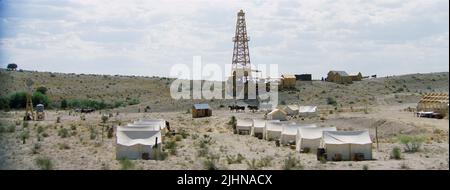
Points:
(154, 91)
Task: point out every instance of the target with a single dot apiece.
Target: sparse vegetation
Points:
(126, 164)
(411, 143)
(291, 163)
(210, 163)
(396, 153)
(235, 159)
(63, 133)
(44, 163)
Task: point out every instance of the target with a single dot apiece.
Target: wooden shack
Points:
(201, 110)
(434, 102)
(288, 81)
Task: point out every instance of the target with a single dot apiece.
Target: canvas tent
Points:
(290, 109)
(307, 110)
(153, 122)
(347, 145)
(244, 126)
(258, 128)
(277, 114)
(273, 130)
(309, 138)
(137, 142)
(289, 132)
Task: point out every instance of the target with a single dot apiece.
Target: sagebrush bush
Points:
(44, 163)
(291, 163)
(126, 164)
(396, 153)
(63, 133)
(411, 143)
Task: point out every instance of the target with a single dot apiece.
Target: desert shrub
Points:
(265, 162)
(133, 102)
(92, 133)
(323, 160)
(365, 167)
(2, 129)
(291, 163)
(411, 143)
(104, 118)
(63, 146)
(24, 135)
(36, 147)
(235, 159)
(58, 119)
(404, 166)
(210, 162)
(126, 164)
(63, 133)
(171, 146)
(25, 124)
(73, 127)
(40, 129)
(202, 152)
(396, 153)
(63, 104)
(184, 134)
(252, 165)
(44, 163)
(331, 101)
(159, 154)
(42, 90)
(4, 103)
(178, 137)
(87, 103)
(45, 134)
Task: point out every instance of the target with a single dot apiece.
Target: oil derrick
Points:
(29, 114)
(241, 68)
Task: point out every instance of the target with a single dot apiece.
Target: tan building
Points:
(288, 81)
(342, 77)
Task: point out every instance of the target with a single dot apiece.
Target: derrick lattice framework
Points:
(241, 55)
(241, 68)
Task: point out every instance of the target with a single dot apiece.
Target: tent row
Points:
(283, 112)
(333, 145)
(140, 139)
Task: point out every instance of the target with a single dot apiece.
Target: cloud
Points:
(147, 37)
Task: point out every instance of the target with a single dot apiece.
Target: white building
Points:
(259, 126)
(244, 126)
(273, 130)
(277, 114)
(289, 132)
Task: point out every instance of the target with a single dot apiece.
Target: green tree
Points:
(42, 89)
(18, 100)
(64, 104)
(39, 98)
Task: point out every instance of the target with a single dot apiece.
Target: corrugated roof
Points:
(201, 106)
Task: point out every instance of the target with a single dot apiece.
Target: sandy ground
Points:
(80, 152)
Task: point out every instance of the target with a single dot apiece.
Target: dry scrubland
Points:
(76, 142)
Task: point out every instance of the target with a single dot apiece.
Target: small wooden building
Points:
(288, 81)
(201, 110)
(303, 77)
(341, 77)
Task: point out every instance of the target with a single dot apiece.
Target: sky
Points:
(147, 37)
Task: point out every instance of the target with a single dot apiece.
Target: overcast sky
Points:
(137, 37)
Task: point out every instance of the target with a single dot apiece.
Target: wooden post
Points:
(376, 137)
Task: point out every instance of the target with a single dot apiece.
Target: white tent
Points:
(258, 128)
(136, 142)
(345, 145)
(244, 126)
(307, 110)
(309, 137)
(290, 109)
(289, 132)
(152, 122)
(273, 130)
(277, 114)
